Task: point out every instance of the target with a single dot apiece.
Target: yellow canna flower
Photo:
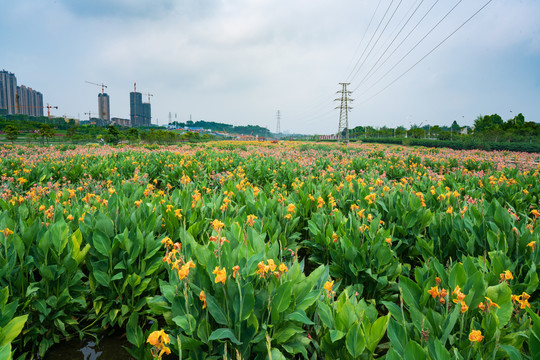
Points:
(221, 275)
(283, 268)
(217, 225)
(328, 286)
(532, 245)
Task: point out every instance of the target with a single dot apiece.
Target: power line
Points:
(371, 39)
(418, 43)
(378, 38)
(363, 37)
(401, 43)
(389, 45)
(432, 50)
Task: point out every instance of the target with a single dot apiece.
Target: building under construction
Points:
(141, 114)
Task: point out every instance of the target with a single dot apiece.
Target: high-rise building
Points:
(28, 101)
(104, 107)
(8, 93)
(18, 99)
(141, 113)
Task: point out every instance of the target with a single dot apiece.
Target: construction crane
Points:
(103, 87)
(89, 115)
(48, 107)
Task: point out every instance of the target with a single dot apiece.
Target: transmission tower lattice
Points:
(278, 128)
(344, 109)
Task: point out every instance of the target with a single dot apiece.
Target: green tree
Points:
(113, 135)
(12, 132)
(46, 132)
(133, 134)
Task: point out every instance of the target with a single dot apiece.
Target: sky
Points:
(408, 62)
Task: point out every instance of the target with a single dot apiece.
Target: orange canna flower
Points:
(434, 292)
(251, 220)
(388, 241)
(7, 232)
(334, 237)
(464, 307)
(202, 297)
(291, 208)
(490, 303)
(443, 293)
(235, 269)
(475, 336)
(532, 245)
(481, 306)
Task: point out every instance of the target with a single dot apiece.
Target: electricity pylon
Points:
(344, 109)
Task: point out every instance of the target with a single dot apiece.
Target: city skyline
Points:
(238, 62)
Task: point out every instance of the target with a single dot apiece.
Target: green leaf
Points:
(133, 331)
(101, 278)
(501, 294)
(101, 243)
(186, 322)
(282, 298)
(9, 332)
(300, 316)
(355, 341)
(413, 351)
(449, 324)
(512, 352)
(457, 276)
(440, 351)
(5, 352)
(325, 314)
(224, 333)
(335, 335)
(411, 291)
(397, 335)
(376, 333)
(215, 310)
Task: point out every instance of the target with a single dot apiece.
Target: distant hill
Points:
(254, 130)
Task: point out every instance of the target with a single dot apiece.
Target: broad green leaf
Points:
(355, 341)
(224, 333)
(215, 310)
(397, 335)
(282, 298)
(411, 291)
(325, 314)
(133, 331)
(413, 351)
(101, 243)
(335, 335)
(512, 352)
(300, 316)
(376, 333)
(9, 332)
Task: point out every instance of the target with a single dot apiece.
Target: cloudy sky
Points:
(240, 61)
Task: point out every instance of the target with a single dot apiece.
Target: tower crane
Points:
(103, 87)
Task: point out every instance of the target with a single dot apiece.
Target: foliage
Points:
(258, 250)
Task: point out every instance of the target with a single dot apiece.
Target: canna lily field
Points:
(234, 250)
